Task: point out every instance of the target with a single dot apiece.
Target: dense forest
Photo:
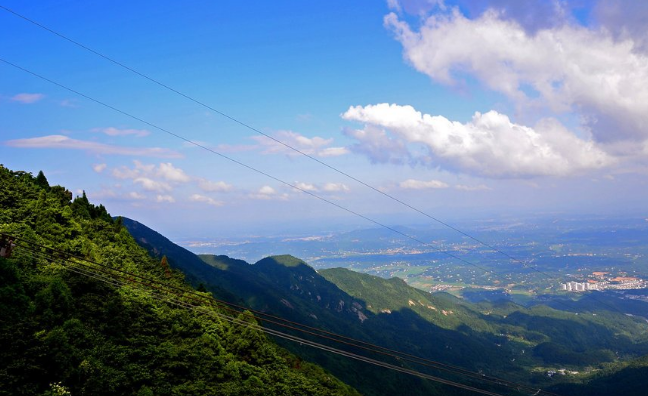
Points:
(64, 332)
(504, 339)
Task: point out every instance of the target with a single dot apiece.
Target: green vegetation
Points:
(62, 333)
(498, 338)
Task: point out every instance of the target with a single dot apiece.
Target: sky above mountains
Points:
(462, 108)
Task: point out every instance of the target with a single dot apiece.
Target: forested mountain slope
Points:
(502, 339)
(64, 333)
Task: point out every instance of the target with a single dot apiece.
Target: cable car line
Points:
(164, 296)
(256, 130)
(277, 179)
(103, 273)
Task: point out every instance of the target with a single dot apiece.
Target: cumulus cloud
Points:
(315, 146)
(480, 187)
(136, 195)
(267, 190)
(111, 131)
(412, 184)
(152, 185)
(268, 193)
(306, 187)
(210, 186)
(64, 142)
(165, 198)
(326, 187)
(99, 167)
(27, 98)
(335, 187)
(532, 15)
(489, 145)
(165, 171)
(205, 199)
(625, 20)
(565, 68)
(376, 144)
(169, 172)
(165, 177)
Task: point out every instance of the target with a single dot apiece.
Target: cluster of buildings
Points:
(579, 286)
(601, 281)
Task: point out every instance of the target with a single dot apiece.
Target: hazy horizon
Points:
(465, 111)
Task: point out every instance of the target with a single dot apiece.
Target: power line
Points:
(256, 130)
(104, 272)
(525, 264)
(249, 167)
(174, 298)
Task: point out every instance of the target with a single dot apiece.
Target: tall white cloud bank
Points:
(489, 145)
(601, 76)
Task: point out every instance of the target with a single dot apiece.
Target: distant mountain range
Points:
(541, 346)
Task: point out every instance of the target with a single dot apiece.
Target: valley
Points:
(550, 252)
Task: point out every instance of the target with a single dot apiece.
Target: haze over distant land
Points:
(463, 109)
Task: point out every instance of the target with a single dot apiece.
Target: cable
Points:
(249, 167)
(271, 176)
(301, 341)
(151, 283)
(525, 264)
(233, 119)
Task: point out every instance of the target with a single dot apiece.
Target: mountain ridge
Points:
(503, 332)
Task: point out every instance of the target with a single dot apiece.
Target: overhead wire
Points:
(481, 242)
(524, 263)
(183, 304)
(100, 271)
(277, 179)
(258, 131)
(240, 163)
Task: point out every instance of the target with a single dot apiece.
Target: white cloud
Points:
(376, 144)
(267, 190)
(268, 193)
(489, 145)
(326, 187)
(165, 198)
(210, 186)
(204, 199)
(171, 173)
(394, 5)
(125, 173)
(135, 195)
(412, 184)
(152, 185)
(570, 68)
(99, 167)
(111, 131)
(315, 146)
(64, 142)
(335, 187)
(27, 98)
(480, 187)
(306, 187)
(625, 20)
(333, 152)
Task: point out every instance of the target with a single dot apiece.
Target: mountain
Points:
(626, 379)
(502, 338)
(86, 311)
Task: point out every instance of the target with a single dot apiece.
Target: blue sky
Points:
(462, 108)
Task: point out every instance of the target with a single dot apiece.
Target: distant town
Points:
(605, 281)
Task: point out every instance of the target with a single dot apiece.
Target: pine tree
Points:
(41, 181)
